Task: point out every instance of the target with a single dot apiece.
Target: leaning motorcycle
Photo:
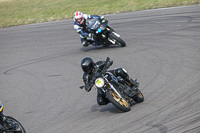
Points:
(102, 34)
(9, 124)
(116, 90)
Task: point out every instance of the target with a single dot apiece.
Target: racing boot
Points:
(132, 83)
(133, 87)
(85, 43)
(101, 99)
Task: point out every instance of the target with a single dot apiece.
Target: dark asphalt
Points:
(40, 74)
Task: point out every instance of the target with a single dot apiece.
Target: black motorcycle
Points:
(116, 90)
(9, 124)
(102, 33)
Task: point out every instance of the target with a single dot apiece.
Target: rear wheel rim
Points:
(140, 95)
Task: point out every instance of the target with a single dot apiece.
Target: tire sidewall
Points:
(115, 103)
(11, 118)
(118, 39)
(137, 98)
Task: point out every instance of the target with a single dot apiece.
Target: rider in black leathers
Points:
(90, 68)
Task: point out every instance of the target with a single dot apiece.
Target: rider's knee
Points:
(121, 72)
(102, 101)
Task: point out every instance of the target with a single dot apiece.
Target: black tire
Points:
(139, 97)
(118, 39)
(9, 118)
(123, 105)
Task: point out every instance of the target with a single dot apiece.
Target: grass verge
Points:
(20, 12)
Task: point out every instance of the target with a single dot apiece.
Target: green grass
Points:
(20, 12)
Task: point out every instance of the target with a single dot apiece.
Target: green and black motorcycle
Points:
(102, 34)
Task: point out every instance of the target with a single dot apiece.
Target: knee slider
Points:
(121, 72)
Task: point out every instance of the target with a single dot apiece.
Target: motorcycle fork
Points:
(113, 88)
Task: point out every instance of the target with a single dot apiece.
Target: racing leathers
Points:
(81, 29)
(88, 79)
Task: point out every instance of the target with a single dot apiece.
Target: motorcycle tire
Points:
(118, 39)
(9, 118)
(121, 104)
(139, 97)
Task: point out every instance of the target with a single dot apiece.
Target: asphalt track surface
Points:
(40, 74)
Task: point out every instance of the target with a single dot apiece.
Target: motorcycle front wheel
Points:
(118, 102)
(18, 129)
(117, 39)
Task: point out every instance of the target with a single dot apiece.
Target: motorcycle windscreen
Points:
(93, 24)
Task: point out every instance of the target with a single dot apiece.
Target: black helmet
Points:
(87, 65)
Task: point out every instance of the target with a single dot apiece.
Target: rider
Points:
(1, 112)
(80, 25)
(90, 68)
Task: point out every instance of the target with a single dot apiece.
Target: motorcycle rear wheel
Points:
(20, 127)
(121, 104)
(139, 97)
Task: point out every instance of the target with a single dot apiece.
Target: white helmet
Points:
(78, 17)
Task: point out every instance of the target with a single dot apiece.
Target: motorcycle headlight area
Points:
(99, 82)
(1, 108)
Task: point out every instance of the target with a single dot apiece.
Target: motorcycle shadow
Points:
(109, 107)
(92, 48)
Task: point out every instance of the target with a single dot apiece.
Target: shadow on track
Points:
(87, 49)
(109, 107)
(105, 108)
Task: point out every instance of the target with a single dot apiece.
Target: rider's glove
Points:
(102, 17)
(88, 87)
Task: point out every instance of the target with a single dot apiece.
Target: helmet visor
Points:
(87, 69)
(78, 20)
